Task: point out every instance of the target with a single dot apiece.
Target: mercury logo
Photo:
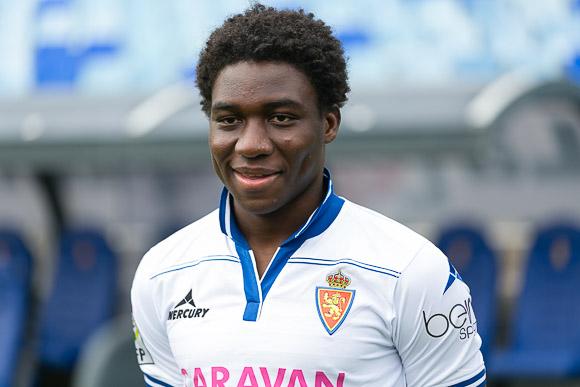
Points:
(191, 311)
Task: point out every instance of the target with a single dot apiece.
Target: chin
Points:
(259, 206)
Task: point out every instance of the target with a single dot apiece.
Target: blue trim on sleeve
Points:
(161, 383)
(469, 381)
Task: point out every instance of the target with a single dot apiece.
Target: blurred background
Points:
(463, 123)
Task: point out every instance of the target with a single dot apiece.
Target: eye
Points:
(228, 121)
(282, 119)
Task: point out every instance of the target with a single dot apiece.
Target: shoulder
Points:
(429, 271)
(379, 224)
(196, 239)
(377, 239)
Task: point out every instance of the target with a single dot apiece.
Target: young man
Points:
(288, 284)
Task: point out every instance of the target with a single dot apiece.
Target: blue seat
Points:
(546, 324)
(470, 253)
(82, 298)
(108, 359)
(15, 277)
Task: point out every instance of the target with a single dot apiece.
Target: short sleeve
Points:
(435, 328)
(151, 343)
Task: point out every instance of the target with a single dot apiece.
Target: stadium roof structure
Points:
(57, 131)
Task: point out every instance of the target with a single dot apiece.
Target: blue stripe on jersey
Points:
(469, 381)
(251, 290)
(352, 260)
(222, 258)
(223, 203)
(348, 261)
(318, 222)
(149, 378)
(198, 259)
(278, 263)
(341, 262)
(316, 225)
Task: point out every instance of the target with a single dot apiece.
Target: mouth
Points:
(255, 178)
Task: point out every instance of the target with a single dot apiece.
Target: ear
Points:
(331, 124)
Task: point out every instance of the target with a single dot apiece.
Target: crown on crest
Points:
(338, 280)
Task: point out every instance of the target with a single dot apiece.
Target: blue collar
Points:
(319, 221)
(316, 224)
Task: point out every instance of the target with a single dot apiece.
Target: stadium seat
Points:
(546, 324)
(471, 255)
(109, 358)
(82, 298)
(15, 278)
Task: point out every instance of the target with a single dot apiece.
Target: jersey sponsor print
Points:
(362, 301)
(186, 308)
(460, 316)
(260, 376)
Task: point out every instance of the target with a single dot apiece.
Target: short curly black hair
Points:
(267, 34)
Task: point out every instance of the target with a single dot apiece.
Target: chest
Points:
(310, 330)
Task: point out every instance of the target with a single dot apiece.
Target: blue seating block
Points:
(470, 253)
(15, 277)
(546, 323)
(82, 299)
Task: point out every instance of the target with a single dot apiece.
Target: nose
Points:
(254, 140)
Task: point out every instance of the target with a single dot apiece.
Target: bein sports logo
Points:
(460, 317)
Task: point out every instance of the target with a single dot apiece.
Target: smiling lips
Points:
(255, 178)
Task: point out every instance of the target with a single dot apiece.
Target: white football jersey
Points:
(352, 298)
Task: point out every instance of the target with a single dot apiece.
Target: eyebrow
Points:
(223, 106)
(284, 102)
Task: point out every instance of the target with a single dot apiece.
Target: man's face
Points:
(267, 135)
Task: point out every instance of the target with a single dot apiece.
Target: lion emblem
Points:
(333, 305)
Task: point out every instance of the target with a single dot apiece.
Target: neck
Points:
(268, 231)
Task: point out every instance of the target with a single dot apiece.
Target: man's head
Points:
(263, 34)
(272, 83)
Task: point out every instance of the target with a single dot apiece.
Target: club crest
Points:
(334, 301)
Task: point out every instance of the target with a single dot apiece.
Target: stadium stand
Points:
(545, 328)
(470, 253)
(83, 298)
(108, 358)
(15, 278)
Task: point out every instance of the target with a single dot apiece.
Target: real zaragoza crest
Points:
(334, 302)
